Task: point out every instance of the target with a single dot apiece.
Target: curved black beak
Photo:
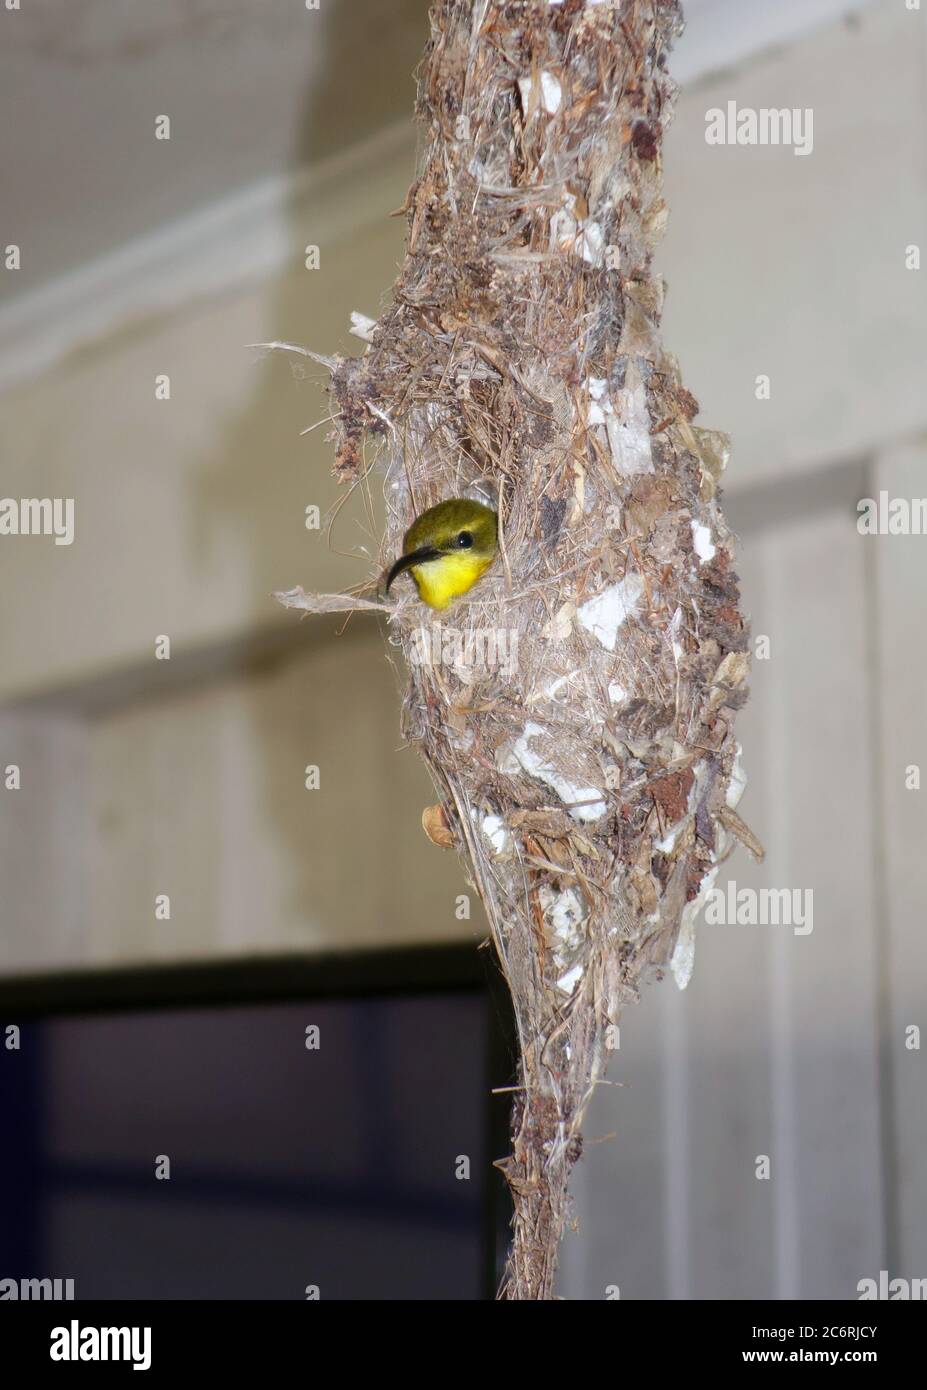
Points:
(414, 557)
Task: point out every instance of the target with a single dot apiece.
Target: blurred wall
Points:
(187, 776)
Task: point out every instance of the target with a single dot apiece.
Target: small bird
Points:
(447, 548)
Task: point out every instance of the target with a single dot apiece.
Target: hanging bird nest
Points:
(576, 708)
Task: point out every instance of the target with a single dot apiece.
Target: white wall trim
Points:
(722, 33)
(249, 235)
(229, 244)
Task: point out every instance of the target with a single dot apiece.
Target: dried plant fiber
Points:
(590, 778)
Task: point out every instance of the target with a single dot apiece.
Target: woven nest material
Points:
(576, 708)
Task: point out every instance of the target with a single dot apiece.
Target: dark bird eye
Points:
(464, 539)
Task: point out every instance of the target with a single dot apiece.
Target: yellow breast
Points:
(441, 581)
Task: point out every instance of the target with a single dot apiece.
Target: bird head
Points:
(447, 548)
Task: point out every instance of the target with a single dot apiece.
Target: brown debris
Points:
(436, 826)
(671, 793)
(521, 360)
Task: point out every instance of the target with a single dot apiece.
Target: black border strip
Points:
(244, 979)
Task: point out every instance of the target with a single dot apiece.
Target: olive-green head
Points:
(447, 548)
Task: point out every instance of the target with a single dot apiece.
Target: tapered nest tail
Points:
(577, 707)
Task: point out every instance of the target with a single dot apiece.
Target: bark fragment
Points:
(591, 781)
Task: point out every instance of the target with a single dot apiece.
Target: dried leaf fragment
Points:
(437, 827)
